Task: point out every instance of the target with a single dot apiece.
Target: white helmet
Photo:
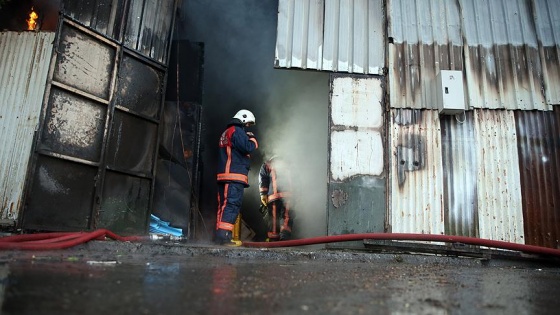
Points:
(245, 116)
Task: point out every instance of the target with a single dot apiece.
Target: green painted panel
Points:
(357, 206)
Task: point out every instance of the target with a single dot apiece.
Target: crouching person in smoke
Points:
(235, 147)
(275, 184)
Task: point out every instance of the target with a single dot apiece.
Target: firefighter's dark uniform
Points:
(275, 181)
(233, 167)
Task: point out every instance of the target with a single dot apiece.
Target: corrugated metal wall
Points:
(462, 180)
(425, 36)
(508, 49)
(145, 30)
(458, 148)
(547, 20)
(499, 191)
(104, 16)
(502, 62)
(24, 60)
(416, 198)
(491, 172)
(488, 190)
(331, 35)
(538, 143)
(504, 55)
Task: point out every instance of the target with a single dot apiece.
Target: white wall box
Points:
(450, 92)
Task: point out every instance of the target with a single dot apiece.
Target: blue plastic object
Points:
(161, 227)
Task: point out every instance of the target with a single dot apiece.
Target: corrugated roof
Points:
(331, 35)
(24, 60)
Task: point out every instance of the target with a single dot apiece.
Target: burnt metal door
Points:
(93, 164)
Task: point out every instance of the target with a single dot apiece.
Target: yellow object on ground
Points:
(237, 230)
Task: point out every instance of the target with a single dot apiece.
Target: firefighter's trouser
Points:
(230, 197)
(281, 216)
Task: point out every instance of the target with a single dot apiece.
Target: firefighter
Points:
(235, 147)
(275, 190)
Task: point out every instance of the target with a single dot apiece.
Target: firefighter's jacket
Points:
(275, 179)
(234, 154)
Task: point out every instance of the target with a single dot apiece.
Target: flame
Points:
(32, 22)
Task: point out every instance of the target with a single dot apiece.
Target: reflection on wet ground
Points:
(214, 285)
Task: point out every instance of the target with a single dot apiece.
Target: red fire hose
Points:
(60, 240)
(409, 237)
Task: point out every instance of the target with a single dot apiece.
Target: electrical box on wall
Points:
(450, 92)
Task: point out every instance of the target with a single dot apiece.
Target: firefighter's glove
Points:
(250, 134)
(264, 200)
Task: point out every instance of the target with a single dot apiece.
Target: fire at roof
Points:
(29, 15)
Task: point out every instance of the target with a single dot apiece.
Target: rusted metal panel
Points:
(494, 43)
(424, 37)
(104, 16)
(538, 139)
(502, 62)
(62, 198)
(356, 163)
(73, 126)
(416, 172)
(131, 144)
(141, 96)
(126, 200)
(499, 190)
(84, 63)
(498, 175)
(460, 165)
(95, 131)
(148, 27)
(331, 35)
(24, 57)
(547, 20)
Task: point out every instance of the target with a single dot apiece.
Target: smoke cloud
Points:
(291, 106)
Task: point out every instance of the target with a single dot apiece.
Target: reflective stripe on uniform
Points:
(255, 142)
(233, 176)
(225, 226)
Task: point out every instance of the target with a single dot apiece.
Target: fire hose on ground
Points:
(531, 249)
(62, 240)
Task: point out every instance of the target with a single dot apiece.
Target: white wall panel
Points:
(356, 127)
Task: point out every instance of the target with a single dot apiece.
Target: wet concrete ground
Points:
(157, 278)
